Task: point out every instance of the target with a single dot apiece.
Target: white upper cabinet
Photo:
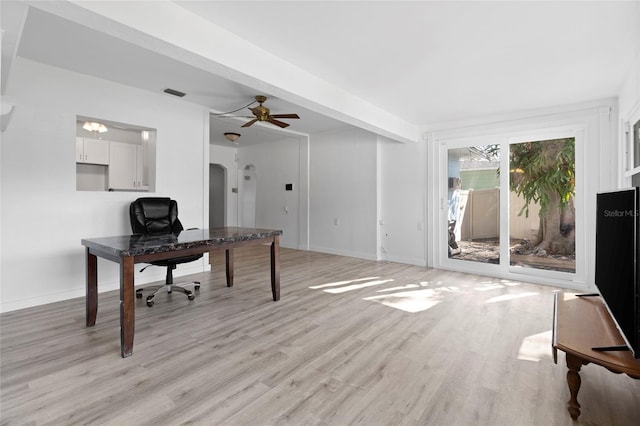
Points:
(126, 167)
(92, 151)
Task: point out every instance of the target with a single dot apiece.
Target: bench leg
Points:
(573, 380)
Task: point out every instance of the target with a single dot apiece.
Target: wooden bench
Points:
(581, 324)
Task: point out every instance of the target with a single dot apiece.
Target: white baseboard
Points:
(146, 277)
(327, 250)
(408, 260)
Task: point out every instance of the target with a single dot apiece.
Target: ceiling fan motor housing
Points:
(261, 112)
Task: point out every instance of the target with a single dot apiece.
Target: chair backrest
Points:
(154, 216)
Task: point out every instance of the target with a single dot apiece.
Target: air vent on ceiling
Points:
(174, 92)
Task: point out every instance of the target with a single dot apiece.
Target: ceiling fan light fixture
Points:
(92, 126)
(231, 136)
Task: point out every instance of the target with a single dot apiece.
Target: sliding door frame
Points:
(591, 128)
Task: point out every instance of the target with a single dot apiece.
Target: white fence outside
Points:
(480, 213)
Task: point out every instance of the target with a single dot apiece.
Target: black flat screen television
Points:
(618, 262)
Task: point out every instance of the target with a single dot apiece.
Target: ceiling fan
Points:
(262, 113)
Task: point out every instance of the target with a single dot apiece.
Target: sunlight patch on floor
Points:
(506, 297)
(493, 285)
(431, 283)
(414, 296)
(339, 283)
(410, 301)
(487, 287)
(536, 347)
(404, 287)
(356, 286)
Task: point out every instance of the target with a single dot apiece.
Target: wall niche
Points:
(113, 156)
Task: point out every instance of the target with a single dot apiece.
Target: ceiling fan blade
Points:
(285, 116)
(277, 123)
(249, 123)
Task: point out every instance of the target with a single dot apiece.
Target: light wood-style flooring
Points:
(351, 342)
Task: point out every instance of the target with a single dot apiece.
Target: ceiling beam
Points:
(166, 28)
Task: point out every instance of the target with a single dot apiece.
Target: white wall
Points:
(342, 163)
(343, 193)
(403, 201)
(630, 92)
(277, 164)
(629, 95)
(227, 158)
(44, 217)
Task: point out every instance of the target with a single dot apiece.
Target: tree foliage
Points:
(542, 171)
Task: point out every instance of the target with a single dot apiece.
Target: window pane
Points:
(474, 203)
(541, 207)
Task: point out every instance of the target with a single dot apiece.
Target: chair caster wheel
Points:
(197, 286)
(191, 297)
(138, 295)
(150, 303)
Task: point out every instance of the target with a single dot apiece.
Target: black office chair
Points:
(159, 216)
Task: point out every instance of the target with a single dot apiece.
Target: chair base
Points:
(169, 288)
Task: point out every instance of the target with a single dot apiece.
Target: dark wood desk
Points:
(128, 250)
(579, 325)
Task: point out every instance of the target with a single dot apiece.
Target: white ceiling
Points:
(425, 62)
(439, 61)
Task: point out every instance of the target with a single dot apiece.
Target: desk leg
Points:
(92, 289)
(127, 305)
(229, 263)
(573, 380)
(275, 268)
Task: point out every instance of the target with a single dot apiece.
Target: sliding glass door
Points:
(510, 205)
(473, 202)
